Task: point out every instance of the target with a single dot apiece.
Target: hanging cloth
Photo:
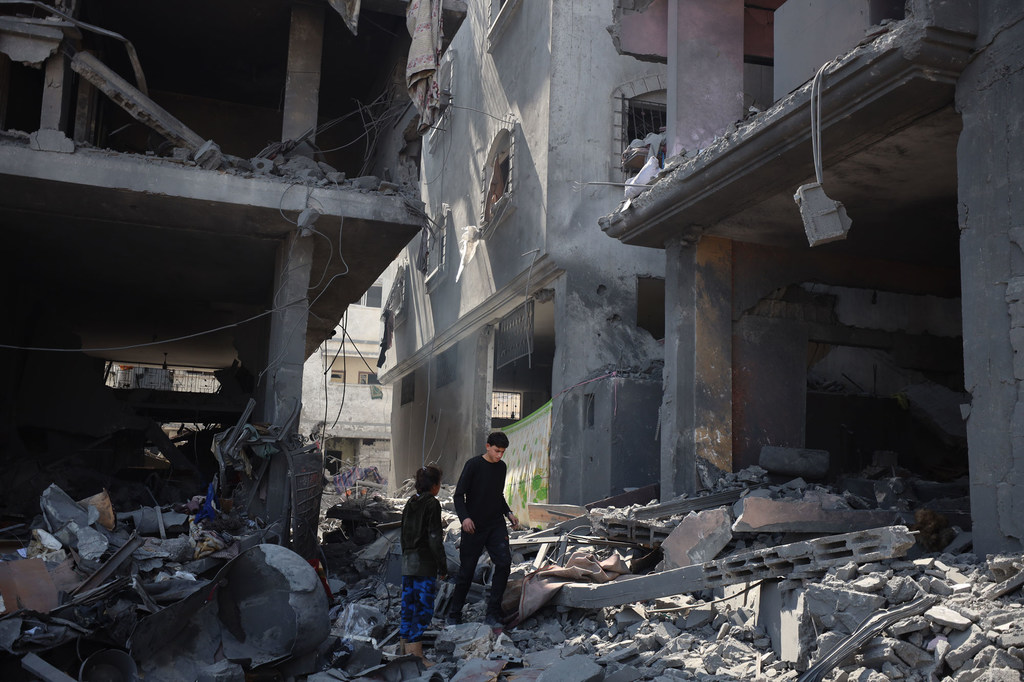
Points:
(423, 19)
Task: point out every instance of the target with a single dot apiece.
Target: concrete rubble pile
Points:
(764, 576)
(209, 587)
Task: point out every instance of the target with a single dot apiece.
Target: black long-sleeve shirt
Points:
(480, 493)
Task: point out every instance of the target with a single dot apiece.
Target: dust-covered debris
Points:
(926, 615)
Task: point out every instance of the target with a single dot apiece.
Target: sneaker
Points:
(453, 619)
(494, 620)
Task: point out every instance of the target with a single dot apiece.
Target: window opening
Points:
(588, 410)
(373, 296)
(368, 378)
(650, 305)
(408, 389)
(641, 117)
(338, 375)
(506, 405)
(498, 179)
(515, 335)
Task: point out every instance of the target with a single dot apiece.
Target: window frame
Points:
(500, 14)
(493, 214)
(439, 235)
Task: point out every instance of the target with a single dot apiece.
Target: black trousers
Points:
(495, 541)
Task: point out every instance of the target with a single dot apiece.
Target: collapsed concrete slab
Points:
(803, 462)
(764, 515)
(799, 559)
(698, 538)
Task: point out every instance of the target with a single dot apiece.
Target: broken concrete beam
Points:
(43, 670)
(1005, 587)
(802, 462)
(131, 99)
(764, 515)
(636, 496)
(698, 538)
(677, 507)
(810, 558)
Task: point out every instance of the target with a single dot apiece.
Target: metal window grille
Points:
(515, 335)
(642, 117)
(175, 379)
(396, 297)
(506, 405)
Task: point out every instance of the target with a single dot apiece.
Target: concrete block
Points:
(761, 515)
(698, 618)
(1011, 639)
(825, 219)
(946, 617)
(803, 462)
(573, 669)
(698, 538)
(964, 648)
(48, 140)
(263, 166)
(783, 615)
(835, 607)
(626, 673)
(913, 656)
(366, 182)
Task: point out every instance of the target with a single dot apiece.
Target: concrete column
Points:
(302, 86)
(696, 419)
(56, 94)
(483, 386)
(286, 354)
(705, 71)
(991, 203)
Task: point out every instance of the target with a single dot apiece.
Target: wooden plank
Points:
(131, 99)
(810, 558)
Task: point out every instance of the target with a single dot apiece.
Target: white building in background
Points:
(343, 404)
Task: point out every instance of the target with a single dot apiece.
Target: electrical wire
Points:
(153, 343)
(815, 107)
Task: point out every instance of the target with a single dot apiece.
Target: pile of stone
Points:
(760, 578)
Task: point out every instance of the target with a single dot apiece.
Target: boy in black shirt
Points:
(481, 506)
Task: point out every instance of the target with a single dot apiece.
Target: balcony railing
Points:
(177, 379)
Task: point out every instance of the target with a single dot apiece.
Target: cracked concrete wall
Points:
(991, 190)
(554, 69)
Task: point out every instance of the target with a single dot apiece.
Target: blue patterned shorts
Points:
(418, 593)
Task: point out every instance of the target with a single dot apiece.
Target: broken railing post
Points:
(809, 558)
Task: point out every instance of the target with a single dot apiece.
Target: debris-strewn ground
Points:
(928, 614)
(759, 577)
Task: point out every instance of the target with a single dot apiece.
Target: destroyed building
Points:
(513, 303)
(190, 196)
(875, 311)
(766, 321)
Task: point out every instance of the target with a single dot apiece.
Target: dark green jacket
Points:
(422, 543)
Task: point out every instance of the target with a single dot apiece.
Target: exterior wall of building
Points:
(990, 169)
(548, 78)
